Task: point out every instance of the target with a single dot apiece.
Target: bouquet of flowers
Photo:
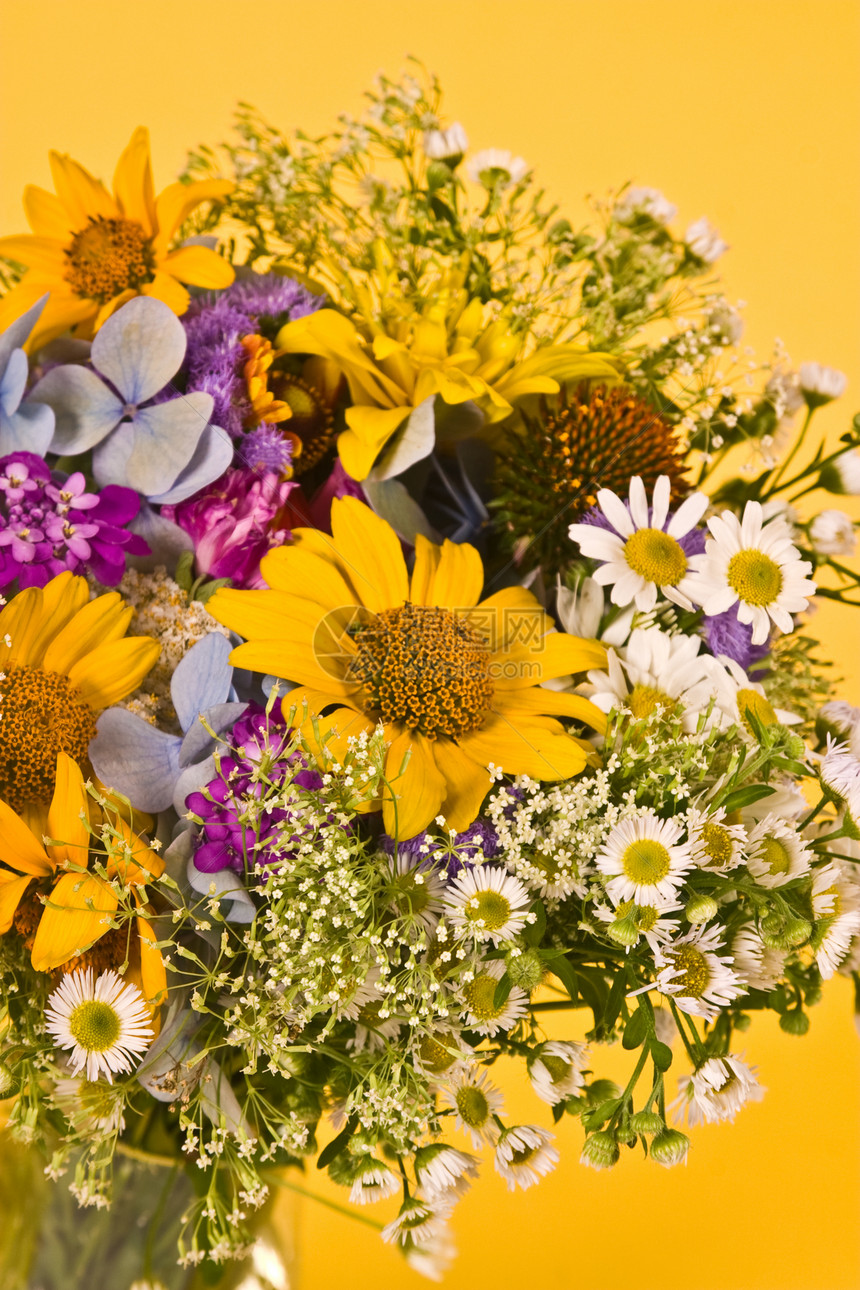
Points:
(405, 639)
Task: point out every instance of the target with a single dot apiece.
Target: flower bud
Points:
(780, 933)
(647, 1122)
(526, 969)
(795, 1022)
(624, 931)
(742, 1021)
(600, 1151)
(670, 1148)
(700, 909)
(7, 1081)
(602, 1090)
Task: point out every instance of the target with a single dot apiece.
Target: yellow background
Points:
(746, 112)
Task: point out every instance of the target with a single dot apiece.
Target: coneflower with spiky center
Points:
(548, 475)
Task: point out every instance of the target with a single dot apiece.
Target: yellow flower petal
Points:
(44, 254)
(132, 182)
(76, 915)
(412, 797)
(524, 747)
(369, 431)
(153, 974)
(199, 266)
(458, 578)
(113, 670)
(427, 557)
(176, 202)
(170, 292)
(291, 660)
(62, 598)
(525, 662)
(107, 310)
(300, 571)
(82, 196)
(45, 214)
(19, 625)
(132, 858)
(19, 849)
(371, 551)
(60, 313)
(516, 703)
(69, 801)
(467, 785)
(12, 888)
(101, 620)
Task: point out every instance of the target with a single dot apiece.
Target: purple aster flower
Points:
(271, 295)
(265, 450)
(233, 523)
(726, 635)
(50, 523)
(479, 841)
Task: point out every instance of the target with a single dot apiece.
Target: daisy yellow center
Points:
(750, 701)
(435, 1055)
(522, 1155)
(693, 972)
(557, 1067)
(645, 862)
(775, 855)
(414, 895)
(473, 1107)
(656, 557)
(424, 668)
(96, 1099)
(717, 842)
(645, 699)
(480, 998)
(95, 1026)
(490, 908)
(41, 714)
(107, 257)
(755, 577)
(644, 916)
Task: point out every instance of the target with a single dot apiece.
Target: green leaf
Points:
(560, 967)
(337, 1145)
(742, 797)
(661, 1055)
(503, 989)
(601, 1114)
(533, 933)
(613, 1003)
(636, 1029)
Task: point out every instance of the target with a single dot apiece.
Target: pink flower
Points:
(233, 523)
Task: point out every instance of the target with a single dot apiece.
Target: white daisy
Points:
(418, 1222)
(488, 902)
(695, 975)
(786, 802)
(717, 1090)
(841, 720)
(445, 145)
(776, 853)
(842, 475)
(555, 1070)
(704, 241)
(373, 1032)
(643, 860)
(833, 532)
(758, 964)
(480, 1010)
(714, 844)
(659, 670)
(94, 1104)
(374, 1182)
(756, 566)
(433, 1258)
(444, 1171)
(836, 908)
(418, 891)
(105, 1023)
(628, 922)
(524, 1155)
(840, 773)
(476, 1102)
(496, 168)
(740, 697)
(644, 201)
(642, 553)
(820, 384)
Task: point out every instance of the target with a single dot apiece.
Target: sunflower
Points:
(456, 681)
(71, 929)
(64, 658)
(93, 251)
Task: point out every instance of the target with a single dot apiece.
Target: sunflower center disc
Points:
(41, 714)
(107, 257)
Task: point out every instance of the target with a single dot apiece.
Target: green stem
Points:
(812, 814)
(781, 469)
(692, 1053)
(329, 1204)
(632, 1082)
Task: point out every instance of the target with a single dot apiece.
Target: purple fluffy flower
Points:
(726, 635)
(265, 450)
(231, 835)
(49, 523)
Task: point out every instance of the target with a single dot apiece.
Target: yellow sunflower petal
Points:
(199, 266)
(317, 576)
(302, 702)
(413, 797)
(467, 783)
(21, 298)
(132, 182)
(427, 557)
(77, 913)
(44, 254)
(369, 429)
(62, 598)
(170, 292)
(459, 577)
(153, 974)
(19, 849)
(526, 662)
(513, 614)
(176, 202)
(60, 313)
(45, 214)
(293, 661)
(101, 620)
(83, 197)
(107, 310)
(113, 670)
(524, 747)
(371, 551)
(560, 703)
(19, 624)
(69, 801)
(12, 888)
(132, 858)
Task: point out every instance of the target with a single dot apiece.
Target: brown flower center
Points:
(312, 422)
(41, 714)
(107, 257)
(425, 668)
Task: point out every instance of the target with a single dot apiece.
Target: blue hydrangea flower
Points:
(167, 449)
(24, 426)
(155, 769)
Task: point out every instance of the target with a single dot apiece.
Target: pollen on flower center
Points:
(41, 714)
(424, 668)
(644, 916)
(522, 1155)
(717, 843)
(645, 699)
(472, 1105)
(107, 257)
(479, 995)
(755, 577)
(557, 1067)
(750, 701)
(775, 855)
(656, 557)
(490, 908)
(95, 1025)
(646, 862)
(693, 972)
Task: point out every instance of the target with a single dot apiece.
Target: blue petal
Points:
(228, 885)
(198, 742)
(13, 381)
(165, 539)
(15, 335)
(213, 455)
(140, 348)
(202, 678)
(30, 429)
(149, 452)
(85, 408)
(134, 757)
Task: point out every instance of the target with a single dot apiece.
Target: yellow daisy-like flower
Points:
(93, 250)
(64, 658)
(79, 905)
(455, 680)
